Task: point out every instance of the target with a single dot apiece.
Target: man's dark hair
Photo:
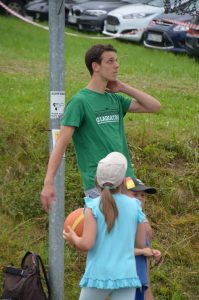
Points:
(94, 54)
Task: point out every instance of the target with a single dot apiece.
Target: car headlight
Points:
(95, 12)
(180, 28)
(136, 16)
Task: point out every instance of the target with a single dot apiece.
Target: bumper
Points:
(132, 35)
(163, 40)
(37, 15)
(119, 28)
(192, 44)
(91, 24)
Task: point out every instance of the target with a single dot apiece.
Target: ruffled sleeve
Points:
(141, 215)
(93, 204)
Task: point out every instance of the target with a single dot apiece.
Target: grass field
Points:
(164, 149)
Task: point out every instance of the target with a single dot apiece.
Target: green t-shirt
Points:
(98, 119)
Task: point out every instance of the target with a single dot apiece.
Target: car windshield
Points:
(197, 11)
(72, 1)
(136, 1)
(158, 3)
(196, 20)
(112, 0)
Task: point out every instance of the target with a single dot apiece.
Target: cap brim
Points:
(146, 189)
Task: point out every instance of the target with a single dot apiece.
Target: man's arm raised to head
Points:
(48, 192)
(142, 102)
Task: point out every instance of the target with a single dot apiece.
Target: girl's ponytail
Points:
(110, 174)
(108, 207)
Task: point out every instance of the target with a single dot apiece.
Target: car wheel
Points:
(16, 5)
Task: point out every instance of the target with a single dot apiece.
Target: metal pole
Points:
(57, 99)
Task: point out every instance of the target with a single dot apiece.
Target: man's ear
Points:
(95, 66)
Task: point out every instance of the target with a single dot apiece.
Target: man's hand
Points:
(47, 196)
(114, 86)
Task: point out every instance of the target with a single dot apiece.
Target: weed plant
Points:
(163, 146)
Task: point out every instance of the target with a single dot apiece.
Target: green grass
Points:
(164, 149)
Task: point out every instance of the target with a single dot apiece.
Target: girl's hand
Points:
(147, 252)
(69, 236)
(157, 255)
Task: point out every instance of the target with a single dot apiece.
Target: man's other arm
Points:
(48, 192)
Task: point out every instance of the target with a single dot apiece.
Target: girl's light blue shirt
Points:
(111, 262)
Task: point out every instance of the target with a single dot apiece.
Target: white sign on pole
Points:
(57, 103)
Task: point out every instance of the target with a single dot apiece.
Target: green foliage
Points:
(21, 179)
(163, 146)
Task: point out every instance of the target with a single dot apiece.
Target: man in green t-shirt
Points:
(93, 118)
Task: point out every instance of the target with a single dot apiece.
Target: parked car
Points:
(90, 15)
(16, 5)
(129, 22)
(192, 38)
(167, 32)
(38, 9)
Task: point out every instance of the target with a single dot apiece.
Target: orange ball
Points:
(76, 221)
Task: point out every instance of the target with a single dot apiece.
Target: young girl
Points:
(112, 228)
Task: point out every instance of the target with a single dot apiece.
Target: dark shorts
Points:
(139, 294)
(92, 193)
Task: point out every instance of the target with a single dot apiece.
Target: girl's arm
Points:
(145, 251)
(140, 236)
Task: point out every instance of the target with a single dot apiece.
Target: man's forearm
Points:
(143, 102)
(53, 164)
(57, 153)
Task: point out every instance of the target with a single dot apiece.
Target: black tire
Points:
(17, 6)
